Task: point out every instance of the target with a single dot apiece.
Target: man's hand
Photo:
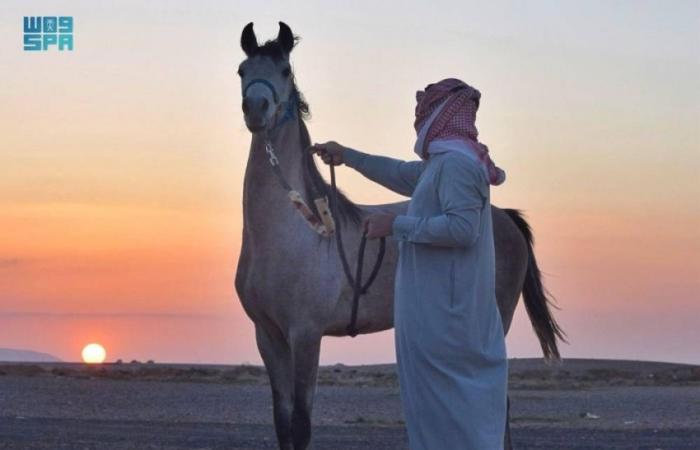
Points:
(330, 152)
(378, 225)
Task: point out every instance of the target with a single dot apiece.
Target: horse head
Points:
(267, 82)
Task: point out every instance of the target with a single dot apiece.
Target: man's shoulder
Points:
(457, 161)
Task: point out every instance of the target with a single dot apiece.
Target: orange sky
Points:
(122, 163)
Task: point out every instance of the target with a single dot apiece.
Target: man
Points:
(450, 346)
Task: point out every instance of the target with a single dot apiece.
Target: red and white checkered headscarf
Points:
(456, 120)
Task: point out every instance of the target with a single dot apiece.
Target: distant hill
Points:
(527, 373)
(17, 355)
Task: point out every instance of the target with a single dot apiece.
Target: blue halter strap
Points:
(289, 105)
(264, 82)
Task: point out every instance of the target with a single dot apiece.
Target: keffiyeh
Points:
(447, 111)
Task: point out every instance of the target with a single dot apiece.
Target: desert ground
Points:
(577, 404)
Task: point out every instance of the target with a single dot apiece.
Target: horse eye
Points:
(286, 72)
(240, 72)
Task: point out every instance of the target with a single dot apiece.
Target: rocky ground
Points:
(580, 404)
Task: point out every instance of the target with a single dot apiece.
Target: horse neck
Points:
(263, 193)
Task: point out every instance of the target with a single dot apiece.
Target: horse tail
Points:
(537, 299)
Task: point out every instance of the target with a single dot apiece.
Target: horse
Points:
(290, 279)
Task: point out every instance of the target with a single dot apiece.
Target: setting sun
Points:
(94, 354)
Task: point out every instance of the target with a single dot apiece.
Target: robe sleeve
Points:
(461, 202)
(396, 175)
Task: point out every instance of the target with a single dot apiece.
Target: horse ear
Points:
(285, 38)
(249, 43)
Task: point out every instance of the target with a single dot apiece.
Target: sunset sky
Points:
(121, 163)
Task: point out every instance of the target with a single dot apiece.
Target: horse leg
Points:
(306, 349)
(277, 356)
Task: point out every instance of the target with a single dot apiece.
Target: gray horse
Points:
(290, 279)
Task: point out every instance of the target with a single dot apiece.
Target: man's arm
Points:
(399, 176)
(396, 175)
(461, 202)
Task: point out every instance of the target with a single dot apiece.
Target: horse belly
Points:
(285, 291)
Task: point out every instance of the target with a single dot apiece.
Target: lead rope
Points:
(325, 225)
(357, 287)
(322, 223)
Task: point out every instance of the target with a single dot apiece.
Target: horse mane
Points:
(314, 181)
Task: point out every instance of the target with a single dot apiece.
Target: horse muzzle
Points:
(256, 111)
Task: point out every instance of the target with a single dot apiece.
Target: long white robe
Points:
(450, 345)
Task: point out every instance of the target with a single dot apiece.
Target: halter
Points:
(266, 84)
(288, 105)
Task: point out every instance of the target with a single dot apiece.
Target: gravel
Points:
(43, 410)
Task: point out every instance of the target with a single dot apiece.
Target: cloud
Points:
(8, 263)
(107, 315)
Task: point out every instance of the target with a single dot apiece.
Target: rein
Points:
(323, 223)
(358, 288)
